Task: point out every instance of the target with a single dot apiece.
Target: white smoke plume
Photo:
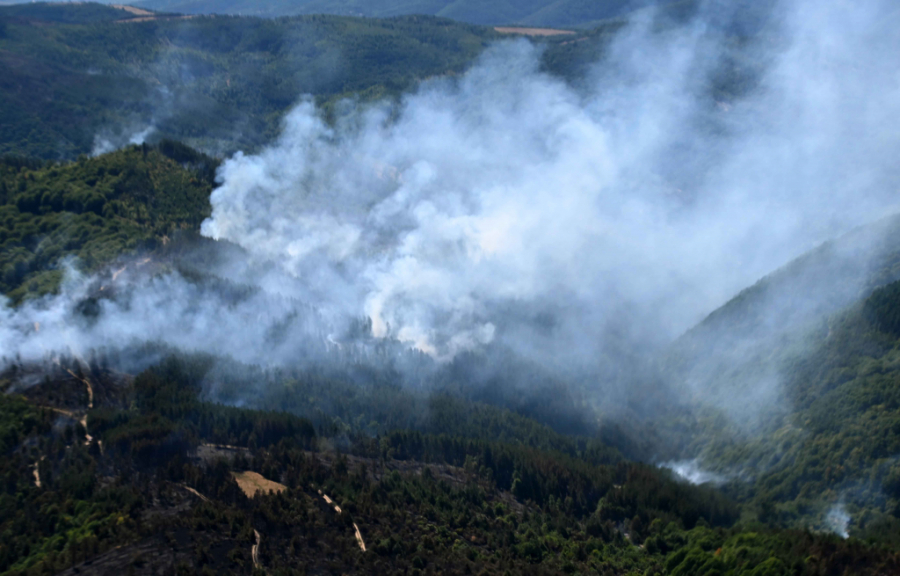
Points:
(636, 205)
(506, 206)
(105, 142)
(691, 471)
(838, 520)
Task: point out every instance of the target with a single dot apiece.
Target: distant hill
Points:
(64, 13)
(77, 78)
(88, 78)
(567, 13)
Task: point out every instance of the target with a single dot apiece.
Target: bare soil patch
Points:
(252, 482)
(133, 10)
(532, 31)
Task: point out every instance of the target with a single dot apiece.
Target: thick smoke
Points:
(508, 205)
(508, 208)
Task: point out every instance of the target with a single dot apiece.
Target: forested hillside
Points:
(88, 78)
(110, 466)
(82, 78)
(566, 13)
(155, 478)
(170, 403)
(95, 210)
(794, 387)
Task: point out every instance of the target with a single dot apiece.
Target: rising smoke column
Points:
(507, 207)
(508, 190)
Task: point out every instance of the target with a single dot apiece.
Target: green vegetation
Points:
(820, 335)
(465, 475)
(423, 503)
(95, 210)
(840, 441)
(223, 83)
(564, 13)
(469, 477)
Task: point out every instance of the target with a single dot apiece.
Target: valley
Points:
(443, 288)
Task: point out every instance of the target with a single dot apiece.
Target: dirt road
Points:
(69, 414)
(86, 382)
(359, 539)
(83, 420)
(254, 552)
(194, 492)
(37, 472)
(330, 502)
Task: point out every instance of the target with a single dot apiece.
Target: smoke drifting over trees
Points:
(636, 204)
(506, 207)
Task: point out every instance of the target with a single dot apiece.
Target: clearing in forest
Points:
(532, 31)
(251, 483)
(133, 10)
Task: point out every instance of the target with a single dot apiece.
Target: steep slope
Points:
(778, 309)
(95, 210)
(526, 487)
(794, 386)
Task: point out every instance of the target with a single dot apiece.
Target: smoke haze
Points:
(508, 208)
(636, 206)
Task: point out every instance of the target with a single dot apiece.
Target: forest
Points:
(137, 472)
(149, 483)
(87, 78)
(565, 13)
(82, 78)
(360, 454)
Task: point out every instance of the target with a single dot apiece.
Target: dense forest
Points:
(95, 210)
(87, 78)
(83, 78)
(117, 467)
(153, 478)
(574, 13)
(367, 456)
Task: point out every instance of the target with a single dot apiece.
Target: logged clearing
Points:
(532, 31)
(152, 18)
(141, 15)
(251, 483)
(133, 10)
